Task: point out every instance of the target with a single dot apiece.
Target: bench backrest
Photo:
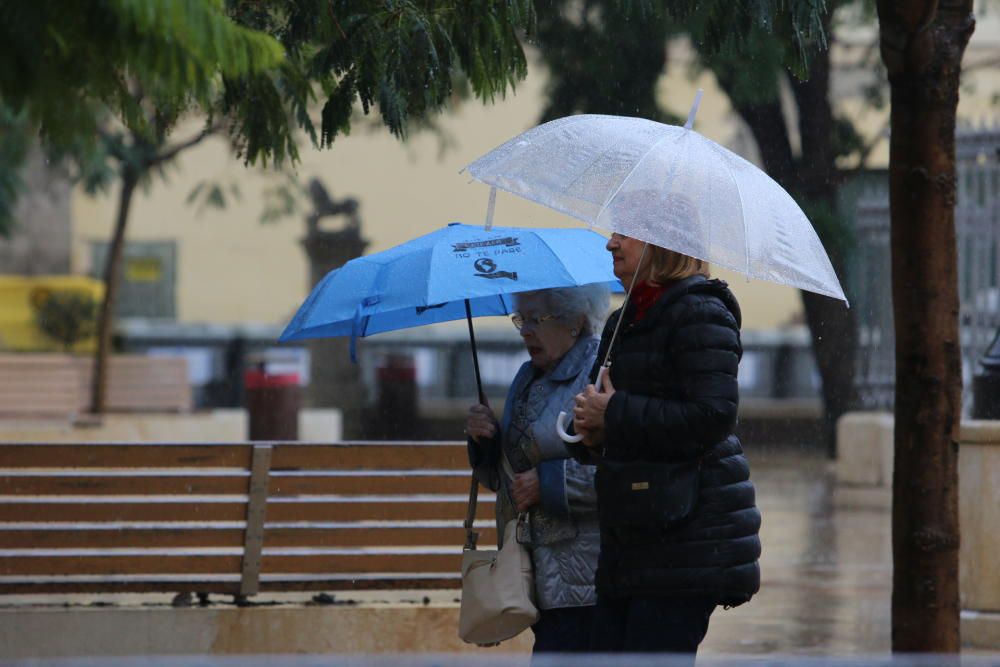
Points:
(58, 386)
(140, 383)
(233, 518)
(38, 385)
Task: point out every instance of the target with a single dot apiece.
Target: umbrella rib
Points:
(743, 219)
(631, 172)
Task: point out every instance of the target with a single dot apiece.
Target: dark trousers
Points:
(565, 630)
(650, 624)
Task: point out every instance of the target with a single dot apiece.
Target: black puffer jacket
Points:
(676, 398)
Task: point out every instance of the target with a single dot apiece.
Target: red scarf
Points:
(644, 295)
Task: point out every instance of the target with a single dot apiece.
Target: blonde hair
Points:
(662, 265)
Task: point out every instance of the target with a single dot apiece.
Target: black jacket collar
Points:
(696, 284)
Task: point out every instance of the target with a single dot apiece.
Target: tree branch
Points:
(171, 152)
(867, 150)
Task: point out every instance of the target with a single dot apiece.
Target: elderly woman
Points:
(558, 327)
(679, 526)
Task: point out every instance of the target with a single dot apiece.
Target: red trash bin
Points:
(396, 402)
(273, 403)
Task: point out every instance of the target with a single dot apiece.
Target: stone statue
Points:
(335, 382)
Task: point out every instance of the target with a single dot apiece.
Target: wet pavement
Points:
(826, 567)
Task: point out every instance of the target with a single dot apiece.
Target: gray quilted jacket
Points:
(562, 531)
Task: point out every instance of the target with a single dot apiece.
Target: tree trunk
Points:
(112, 273)
(922, 43)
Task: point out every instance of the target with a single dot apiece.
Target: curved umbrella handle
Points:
(561, 423)
(562, 420)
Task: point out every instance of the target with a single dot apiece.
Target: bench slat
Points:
(108, 565)
(401, 510)
(395, 536)
(361, 537)
(366, 484)
(147, 455)
(41, 485)
(18, 512)
(158, 563)
(61, 588)
(110, 539)
(350, 563)
(151, 484)
(356, 456)
(208, 585)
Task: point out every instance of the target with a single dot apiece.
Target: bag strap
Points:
(471, 536)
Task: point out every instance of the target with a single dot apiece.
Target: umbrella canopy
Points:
(430, 279)
(666, 185)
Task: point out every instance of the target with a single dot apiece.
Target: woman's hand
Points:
(480, 423)
(526, 490)
(588, 413)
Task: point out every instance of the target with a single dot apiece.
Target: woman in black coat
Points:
(679, 524)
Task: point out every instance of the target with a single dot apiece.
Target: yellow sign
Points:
(143, 269)
(19, 300)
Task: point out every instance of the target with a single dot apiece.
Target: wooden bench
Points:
(234, 518)
(139, 383)
(38, 385)
(57, 386)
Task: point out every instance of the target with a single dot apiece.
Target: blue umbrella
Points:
(457, 271)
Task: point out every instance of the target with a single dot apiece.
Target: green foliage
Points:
(72, 64)
(399, 57)
(595, 69)
(210, 194)
(66, 316)
(14, 141)
(731, 27)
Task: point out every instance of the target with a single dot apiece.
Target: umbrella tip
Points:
(694, 109)
(490, 206)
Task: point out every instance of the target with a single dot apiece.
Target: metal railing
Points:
(977, 224)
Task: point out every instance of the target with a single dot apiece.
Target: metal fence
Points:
(977, 224)
(777, 365)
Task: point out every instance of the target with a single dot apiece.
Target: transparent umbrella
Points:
(665, 185)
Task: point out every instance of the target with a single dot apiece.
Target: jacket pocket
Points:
(644, 495)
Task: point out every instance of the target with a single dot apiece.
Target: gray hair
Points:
(569, 303)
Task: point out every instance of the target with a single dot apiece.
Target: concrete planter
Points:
(865, 446)
(979, 512)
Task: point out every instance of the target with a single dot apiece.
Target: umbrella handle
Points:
(563, 420)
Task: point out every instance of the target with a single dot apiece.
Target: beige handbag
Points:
(498, 587)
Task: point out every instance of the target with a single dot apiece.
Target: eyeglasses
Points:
(520, 321)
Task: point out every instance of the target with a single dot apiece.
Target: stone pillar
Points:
(986, 384)
(334, 381)
(979, 516)
(40, 243)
